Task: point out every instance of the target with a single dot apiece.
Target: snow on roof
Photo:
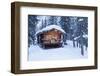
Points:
(50, 27)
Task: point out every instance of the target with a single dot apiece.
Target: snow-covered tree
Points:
(65, 24)
(82, 29)
(52, 20)
(32, 22)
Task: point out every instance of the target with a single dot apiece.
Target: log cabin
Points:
(50, 36)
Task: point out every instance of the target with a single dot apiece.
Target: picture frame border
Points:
(15, 37)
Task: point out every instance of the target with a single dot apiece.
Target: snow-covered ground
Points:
(35, 53)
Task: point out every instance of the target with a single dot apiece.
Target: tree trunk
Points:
(82, 49)
(73, 43)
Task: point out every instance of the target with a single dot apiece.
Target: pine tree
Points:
(65, 24)
(52, 20)
(32, 21)
(82, 30)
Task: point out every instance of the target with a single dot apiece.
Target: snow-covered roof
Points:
(50, 27)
